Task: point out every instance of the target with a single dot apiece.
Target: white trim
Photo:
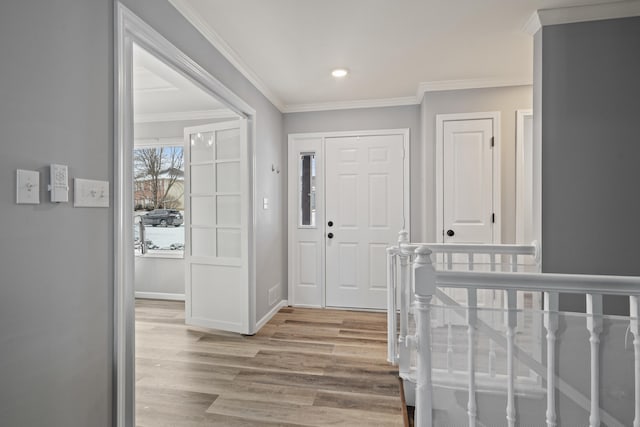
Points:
(270, 314)
(497, 176)
(346, 105)
(160, 296)
(225, 50)
(570, 15)
(129, 29)
(521, 189)
(176, 116)
(158, 142)
(442, 85)
(533, 24)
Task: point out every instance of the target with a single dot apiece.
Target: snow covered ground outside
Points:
(162, 237)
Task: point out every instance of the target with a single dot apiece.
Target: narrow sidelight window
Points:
(307, 190)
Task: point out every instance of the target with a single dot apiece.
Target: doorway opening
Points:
(183, 195)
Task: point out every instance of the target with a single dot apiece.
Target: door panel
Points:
(468, 181)
(364, 200)
(216, 224)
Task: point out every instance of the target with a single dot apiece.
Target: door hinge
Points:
(493, 218)
(493, 141)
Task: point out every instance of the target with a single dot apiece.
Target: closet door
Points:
(216, 221)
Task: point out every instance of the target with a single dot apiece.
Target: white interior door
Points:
(468, 187)
(216, 221)
(364, 211)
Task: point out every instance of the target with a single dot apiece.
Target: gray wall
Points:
(506, 100)
(270, 145)
(56, 282)
(369, 119)
(56, 299)
(590, 149)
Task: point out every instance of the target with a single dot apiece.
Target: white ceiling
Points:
(288, 47)
(162, 94)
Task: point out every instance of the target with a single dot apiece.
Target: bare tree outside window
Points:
(159, 178)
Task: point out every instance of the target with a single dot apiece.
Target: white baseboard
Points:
(270, 314)
(160, 295)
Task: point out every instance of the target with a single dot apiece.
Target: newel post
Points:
(404, 359)
(425, 287)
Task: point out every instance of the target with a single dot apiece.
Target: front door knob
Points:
(330, 235)
(450, 233)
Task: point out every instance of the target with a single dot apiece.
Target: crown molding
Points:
(347, 105)
(184, 115)
(442, 85)
(225, 50)
(570, 15)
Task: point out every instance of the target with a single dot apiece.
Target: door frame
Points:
(292, 198)
(496, 179)
(130, 29)
(522, 193)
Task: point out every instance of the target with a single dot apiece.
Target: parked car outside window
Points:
(163, 218)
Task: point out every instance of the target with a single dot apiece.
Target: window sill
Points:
(168, 254)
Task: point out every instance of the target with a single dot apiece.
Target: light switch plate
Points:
(89, 193)
(59, 186)
(27, 187)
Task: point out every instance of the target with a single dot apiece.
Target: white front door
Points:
(468, 181)
(216, 223)
(364, 210)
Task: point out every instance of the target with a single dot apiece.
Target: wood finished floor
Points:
(306, 367)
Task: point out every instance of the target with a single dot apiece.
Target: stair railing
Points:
(427, 282)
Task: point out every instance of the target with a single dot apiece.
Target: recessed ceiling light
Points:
(340, 72)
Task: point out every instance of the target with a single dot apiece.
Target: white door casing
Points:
(365, 204)
(468, 178)
(524, 177)
(374, 152)
(216, 226)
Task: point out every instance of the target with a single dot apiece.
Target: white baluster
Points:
(392, 328)
(634, 312)
(511, 321)
(425, 284)
(514, 263)
(551, 325)
(594, 325)
(472, 313)
(449, 343)
(404, 358)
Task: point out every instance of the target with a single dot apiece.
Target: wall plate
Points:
(27, 187)
(89, 193)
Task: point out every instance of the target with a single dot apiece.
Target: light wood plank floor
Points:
(306, 367)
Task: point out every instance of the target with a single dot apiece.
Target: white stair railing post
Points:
(594, 325)
(511, 321)
(425, 287)
(634, 311)
(551, 307)
(404, 358)
(472, 318)
(392, 307)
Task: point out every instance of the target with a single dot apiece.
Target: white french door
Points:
(216, 223)
(348, 198)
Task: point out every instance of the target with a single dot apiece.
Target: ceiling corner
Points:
(225, 50)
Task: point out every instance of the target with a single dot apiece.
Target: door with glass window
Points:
(216, 224)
